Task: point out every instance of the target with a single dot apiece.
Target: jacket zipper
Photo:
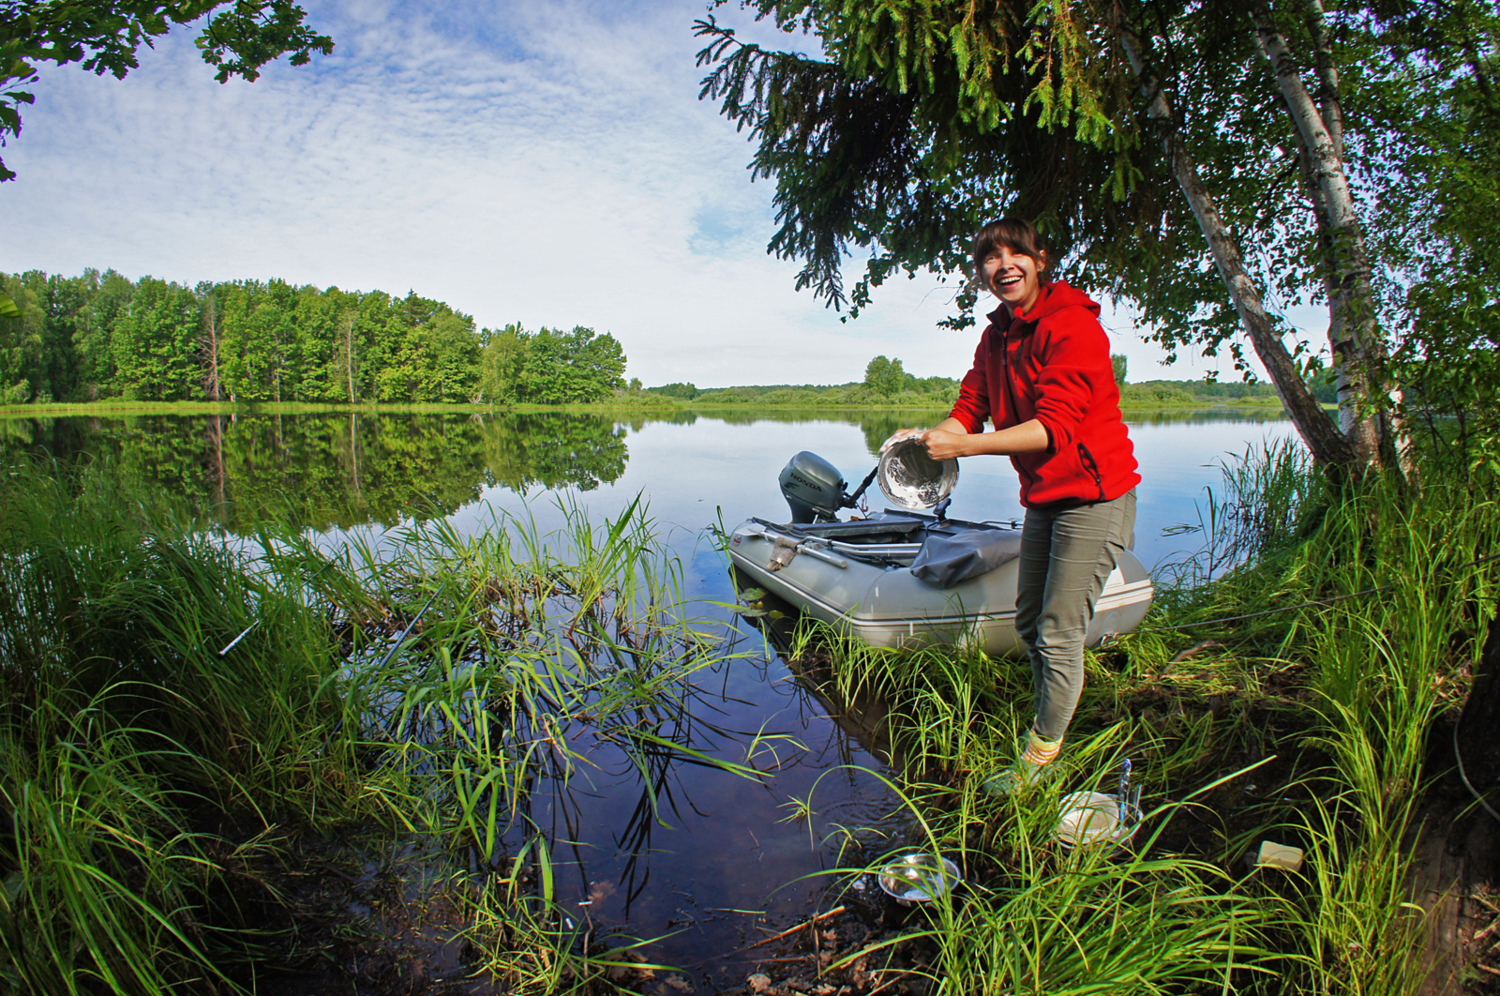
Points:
(1087, 459)
(1010, 387)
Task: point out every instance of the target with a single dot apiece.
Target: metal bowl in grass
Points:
(918, 878)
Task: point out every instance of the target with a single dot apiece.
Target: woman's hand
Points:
(944, 445)
(896, 437)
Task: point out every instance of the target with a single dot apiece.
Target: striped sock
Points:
(1039, 750)
(1028, 768)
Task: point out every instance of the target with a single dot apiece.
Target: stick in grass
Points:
(774, 937)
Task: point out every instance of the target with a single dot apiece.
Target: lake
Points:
(725, 859)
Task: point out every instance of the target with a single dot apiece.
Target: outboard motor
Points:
(813, 488)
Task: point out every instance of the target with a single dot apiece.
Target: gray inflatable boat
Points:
(906, 578)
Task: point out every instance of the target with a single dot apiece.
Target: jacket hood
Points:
(1054, 298)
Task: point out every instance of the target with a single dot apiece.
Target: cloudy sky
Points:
(546, 162)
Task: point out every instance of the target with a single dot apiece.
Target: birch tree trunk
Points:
(1354, 338)
(211, 319)
(1329, 446)
(349, 353)
(1330, 103)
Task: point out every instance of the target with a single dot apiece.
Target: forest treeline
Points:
(101, 335)
(887, 383)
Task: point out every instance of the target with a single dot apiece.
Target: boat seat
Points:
(953, 554)
(882, 530)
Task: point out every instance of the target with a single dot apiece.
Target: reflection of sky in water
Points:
(687, 472)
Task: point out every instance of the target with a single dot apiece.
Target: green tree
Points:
(428, 352)
(155, 343)
(210, 342)
(885, 377)
(570, 367)
(252, 348)
(250, 341)
(370, 340)
(501, 362)
(311, 343)
(447, 353)
(109, 296)
(58, 302)
(1119, 362)
(105, 37)
(20, 343)
(1151, 143)
(342, 373)
(1440, 237)
(687, 392)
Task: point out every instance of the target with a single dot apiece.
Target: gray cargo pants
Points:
(1066, 556)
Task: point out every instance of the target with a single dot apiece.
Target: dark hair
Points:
(1016, 235)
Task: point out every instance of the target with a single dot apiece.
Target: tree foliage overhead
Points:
(238, 38)
(1191, 158)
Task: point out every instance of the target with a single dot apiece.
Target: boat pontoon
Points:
(906, 578)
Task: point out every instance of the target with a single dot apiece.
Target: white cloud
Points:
(547, 163)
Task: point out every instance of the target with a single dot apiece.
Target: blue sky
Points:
(543, 162)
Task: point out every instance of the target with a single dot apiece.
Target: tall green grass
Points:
(172, 701)
(1381, 667)
(1333, 696)
(451, 687)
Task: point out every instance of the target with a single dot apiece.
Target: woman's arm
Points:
(951, 438)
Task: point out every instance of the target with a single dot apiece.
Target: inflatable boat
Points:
(905, 578)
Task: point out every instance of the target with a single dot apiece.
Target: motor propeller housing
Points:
(813, 488)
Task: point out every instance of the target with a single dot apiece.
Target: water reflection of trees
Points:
(553, 450)
(1205, 416)
(324, 470)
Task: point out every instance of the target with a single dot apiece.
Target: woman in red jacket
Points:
(1042, 375)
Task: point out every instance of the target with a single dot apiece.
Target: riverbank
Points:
(1319, 695)
(627, 404)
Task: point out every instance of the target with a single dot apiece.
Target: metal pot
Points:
(918, 878)
(912, 479)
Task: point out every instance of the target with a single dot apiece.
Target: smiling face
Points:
(1013, 277)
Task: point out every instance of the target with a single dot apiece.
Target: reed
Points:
(1336, 694)
(110, 884)
(1378, 670)
(178, 707)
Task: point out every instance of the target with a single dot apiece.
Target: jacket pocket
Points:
(1087, 460)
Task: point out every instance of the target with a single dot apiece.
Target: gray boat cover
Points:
(952, 555)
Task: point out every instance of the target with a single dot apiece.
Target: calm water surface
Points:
(721, 862)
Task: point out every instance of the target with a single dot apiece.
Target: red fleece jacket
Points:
(1052, 364)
